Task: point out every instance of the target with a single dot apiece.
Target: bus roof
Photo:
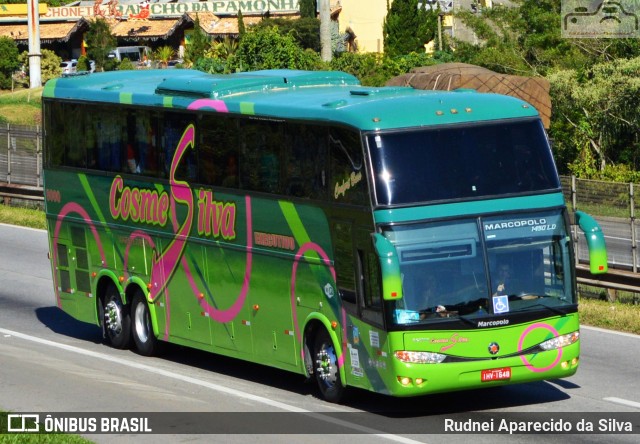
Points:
(328, 96)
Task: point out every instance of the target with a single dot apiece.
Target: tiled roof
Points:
(49, 32)
(145, 29)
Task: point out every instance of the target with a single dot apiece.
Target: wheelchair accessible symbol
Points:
(500, 304)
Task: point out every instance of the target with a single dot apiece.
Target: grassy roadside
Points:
(614, 316)
(21, 107)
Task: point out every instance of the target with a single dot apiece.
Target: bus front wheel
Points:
(146, 342)
(116, 321)
(326, 369)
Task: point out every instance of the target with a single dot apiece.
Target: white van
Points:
(134, 53)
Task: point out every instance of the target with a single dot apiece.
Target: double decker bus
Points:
(400, 241)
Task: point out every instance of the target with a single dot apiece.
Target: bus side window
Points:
(345, 264)
(306, 161)
(108, 126)
(347, 181)
(218, 151)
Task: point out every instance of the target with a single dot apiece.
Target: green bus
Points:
(400, 241)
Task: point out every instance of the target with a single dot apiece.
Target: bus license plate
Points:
(495, 374)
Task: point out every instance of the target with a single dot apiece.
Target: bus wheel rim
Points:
(113, 317)
(140, 319)
(327, 366)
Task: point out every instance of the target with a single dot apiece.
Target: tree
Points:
(163, 55)
(241, 27)
(266, 48)
(408, 28)
(597, 116)
(100, 42)
(197, 44)
(49, 65)
(8, 61)
(308, 9)
(306, 31)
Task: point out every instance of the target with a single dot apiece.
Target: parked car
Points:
(69, 67)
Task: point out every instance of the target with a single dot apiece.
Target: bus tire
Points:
(141, 328)
(326, 369)
(116, 320)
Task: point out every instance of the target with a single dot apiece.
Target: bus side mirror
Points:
(390, 266)
(595, 241)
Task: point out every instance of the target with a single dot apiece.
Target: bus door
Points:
(358, 281)
(72, 273)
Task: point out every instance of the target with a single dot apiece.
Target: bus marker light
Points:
(404, 380)
(94, 274)
(376, 119)
(419, 381)
(454, 111)
(256, 307)
(565, 365)
(201, 296)
(334, 324)
(468, 110)
(574, 361)
(121, 278)
(439, 113)
(149, 285)
(394, 294)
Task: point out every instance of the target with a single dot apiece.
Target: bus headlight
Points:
(419, 357)
(560, 341)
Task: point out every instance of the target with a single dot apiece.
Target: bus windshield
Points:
(461, 162)
(482, 266)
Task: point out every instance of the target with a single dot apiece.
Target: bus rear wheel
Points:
(116, 322)
(141, 328)
(326, 369)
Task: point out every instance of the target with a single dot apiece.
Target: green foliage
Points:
(306, 31)
(49, 65)
(407, 29)
(126, 65)
(83, 64)
(241, 27)
(163, 54)
(266, 48)
(526, 39)
(197, 45)
(308, 8)
(8, 61)
(100, 42)
(596, 116)
(376, 69)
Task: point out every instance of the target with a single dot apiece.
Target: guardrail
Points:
(21, 162)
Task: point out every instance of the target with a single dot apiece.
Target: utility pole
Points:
(33, 23)
(325, 30)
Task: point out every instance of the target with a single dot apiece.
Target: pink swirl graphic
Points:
(294, 272)
(521, 345)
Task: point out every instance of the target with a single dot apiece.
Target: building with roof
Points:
(157, 23)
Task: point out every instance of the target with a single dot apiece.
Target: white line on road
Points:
(209, 385)
(623, 402)
(604, 330)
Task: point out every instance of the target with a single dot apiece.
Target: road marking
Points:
(604, 330)
(623, 402)
(209, 385)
